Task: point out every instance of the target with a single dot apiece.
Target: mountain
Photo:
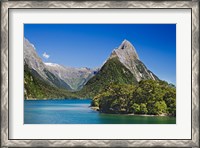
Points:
(32, 60)
(37, 88)
(127, 55)
(122, 67)
(55, 74)
(38, 69)
(74, 77)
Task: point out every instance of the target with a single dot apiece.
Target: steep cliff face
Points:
(128, 56)
(38, 69)
(32, 60)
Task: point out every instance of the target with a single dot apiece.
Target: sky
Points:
(89, 45)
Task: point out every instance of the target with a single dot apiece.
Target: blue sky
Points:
(89, 45)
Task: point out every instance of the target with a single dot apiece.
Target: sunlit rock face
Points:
(127, 55)
(60, 76)
(32, 59)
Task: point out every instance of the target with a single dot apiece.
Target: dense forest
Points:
(147, 97)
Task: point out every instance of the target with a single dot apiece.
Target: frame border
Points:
(5, 6)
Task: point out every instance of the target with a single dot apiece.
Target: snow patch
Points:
(51, 64)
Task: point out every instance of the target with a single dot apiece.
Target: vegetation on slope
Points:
(35, 87)
(113, 71)
(148, 97)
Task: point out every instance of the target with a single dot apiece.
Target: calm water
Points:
(78, 112)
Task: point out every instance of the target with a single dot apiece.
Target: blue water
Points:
(79, 112)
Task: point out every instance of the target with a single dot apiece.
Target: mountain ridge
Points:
(74, 77)
(56, 75)
(123, 66)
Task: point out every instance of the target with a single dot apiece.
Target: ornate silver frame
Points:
(6, 142)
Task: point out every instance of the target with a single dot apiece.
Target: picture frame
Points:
(7, 6)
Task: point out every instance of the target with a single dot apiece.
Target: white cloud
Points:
(45, 55)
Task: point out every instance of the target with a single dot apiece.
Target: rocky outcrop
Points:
(128, 56)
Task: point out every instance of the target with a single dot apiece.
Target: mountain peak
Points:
(127, 48)
(125, 52)
(127, 55)
(125, 44)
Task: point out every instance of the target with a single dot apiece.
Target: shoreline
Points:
(132, 114)
(57, 99)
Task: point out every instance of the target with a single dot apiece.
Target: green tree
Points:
(136, 108)
(159, 108)
(143, 108)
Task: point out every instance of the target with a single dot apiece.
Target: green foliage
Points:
(136, 108)
(170, 100)
(36, 88)
(159, 107)
(147, 97)
(113, 71)
(114, 98)
(143, 108)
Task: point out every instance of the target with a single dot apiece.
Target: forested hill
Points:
(147, 97)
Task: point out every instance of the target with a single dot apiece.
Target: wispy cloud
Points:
(45, 55)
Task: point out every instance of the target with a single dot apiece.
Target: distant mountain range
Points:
(122, 66)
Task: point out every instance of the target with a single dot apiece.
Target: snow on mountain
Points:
(51, 64)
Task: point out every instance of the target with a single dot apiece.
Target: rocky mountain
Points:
(122, 67)
(32, 60)
(74, 77)
(37, 68)
(55, 75)
(128, 56)
(35, 87)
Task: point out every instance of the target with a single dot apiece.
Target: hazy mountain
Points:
(74, 77)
